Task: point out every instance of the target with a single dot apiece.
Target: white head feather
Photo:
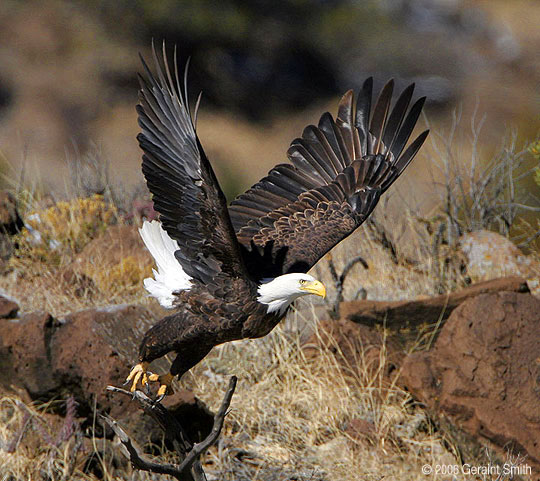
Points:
(280, 292)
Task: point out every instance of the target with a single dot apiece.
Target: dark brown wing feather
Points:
(299, 211)
(186, 193)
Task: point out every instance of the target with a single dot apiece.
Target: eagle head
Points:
(280, 292)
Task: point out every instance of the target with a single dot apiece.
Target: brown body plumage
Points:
(283, 224)
(203, 321)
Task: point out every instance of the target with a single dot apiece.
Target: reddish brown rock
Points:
(25, 358)
(405, 314)
(483, 373)
(80, 356)
(86, 363)
(361, 431)
(8, 308)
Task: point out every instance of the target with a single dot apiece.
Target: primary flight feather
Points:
(231, 272)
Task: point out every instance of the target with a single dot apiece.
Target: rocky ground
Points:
(366, 389)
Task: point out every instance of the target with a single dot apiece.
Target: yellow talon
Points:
(138, 373)
(165, 381)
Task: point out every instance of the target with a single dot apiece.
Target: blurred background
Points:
(68, 83)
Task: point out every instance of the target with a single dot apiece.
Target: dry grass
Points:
(288, 420)
(49, 272)
(292, 413)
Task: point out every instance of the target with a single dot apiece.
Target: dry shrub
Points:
(122, 280)
(33, 448)
(476, 190)
(52, 241)
(60, 231)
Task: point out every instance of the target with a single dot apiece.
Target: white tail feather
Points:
(169, 277)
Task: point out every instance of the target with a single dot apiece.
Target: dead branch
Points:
(383, 239)
(190, 453)
(339, 281)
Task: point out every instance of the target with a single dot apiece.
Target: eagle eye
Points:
(302, 281)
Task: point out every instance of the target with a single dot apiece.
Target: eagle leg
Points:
(165, 387)
(138, 374)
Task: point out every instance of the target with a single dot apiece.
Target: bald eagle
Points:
(231, 271)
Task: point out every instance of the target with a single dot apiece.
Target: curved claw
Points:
(160, 398)
(138, 374)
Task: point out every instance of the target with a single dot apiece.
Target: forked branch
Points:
(339, 281)
(190, 453)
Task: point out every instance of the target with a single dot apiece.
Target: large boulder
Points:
(490, 255)
(43, 358)
(25, 353)
(410, 313)
(79, 355)
(483, 373)
(96, 348)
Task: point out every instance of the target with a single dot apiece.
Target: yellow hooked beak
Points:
(314, 287)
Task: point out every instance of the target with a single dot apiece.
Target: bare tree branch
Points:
(339, 281)
(138, 461)
(190, 453)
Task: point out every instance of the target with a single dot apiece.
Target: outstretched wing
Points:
(186, 193)
(338, 171)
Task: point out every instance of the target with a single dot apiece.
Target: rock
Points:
(482, 375)
(25, 357)
(85, 357)
(8, 308)
(80, 356)
(406, 314)
(361, 430)
(490, 255)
